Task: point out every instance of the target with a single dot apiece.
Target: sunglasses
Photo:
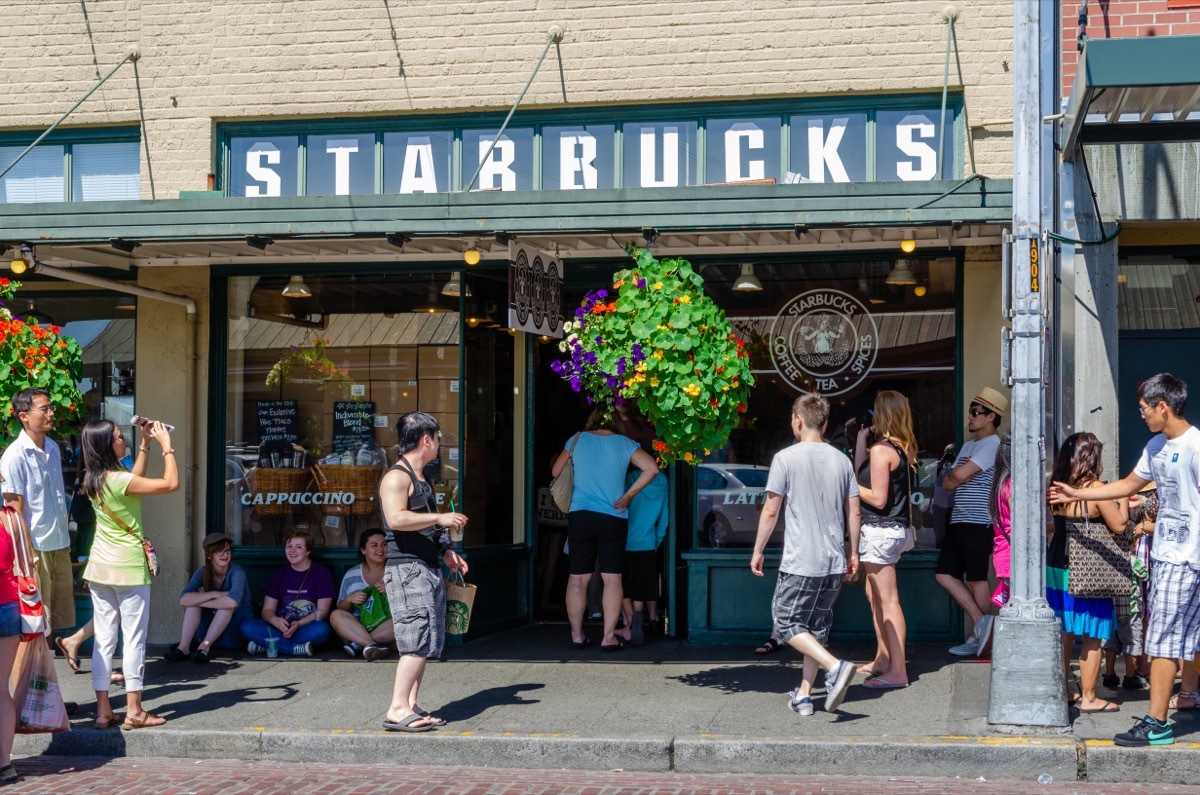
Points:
(978, 412)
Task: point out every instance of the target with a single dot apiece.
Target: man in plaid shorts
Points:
(1172, 460)
(821, 505)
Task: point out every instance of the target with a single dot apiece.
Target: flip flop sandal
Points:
(1190, 695)
(581, 644)
(1109, 706)
(434, 720)
(73, 662)
(768, 646)
(868, 671)
(405, 724)
(142, 722)
(879, 683)
(620, 644)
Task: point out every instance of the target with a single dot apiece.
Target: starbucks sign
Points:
(824, 341)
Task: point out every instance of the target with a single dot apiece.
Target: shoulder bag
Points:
(29, 601)
(562, 486)
(147, 547)
(1097, 566)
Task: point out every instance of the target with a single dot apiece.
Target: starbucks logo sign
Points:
(824, 341)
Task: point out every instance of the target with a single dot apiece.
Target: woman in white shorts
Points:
(885, 485)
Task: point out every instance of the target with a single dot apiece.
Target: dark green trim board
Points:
(531, 212)
(218, 371)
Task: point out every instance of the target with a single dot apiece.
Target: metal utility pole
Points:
(1027, 685)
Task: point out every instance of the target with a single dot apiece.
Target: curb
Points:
(992, 758)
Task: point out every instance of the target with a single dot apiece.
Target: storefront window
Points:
(1158, 292)
(837, 328)
(315, 385)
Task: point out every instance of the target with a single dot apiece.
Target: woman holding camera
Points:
(118, 570)
(885, 485)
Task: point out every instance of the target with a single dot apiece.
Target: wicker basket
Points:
(280, 481)
(361, 481)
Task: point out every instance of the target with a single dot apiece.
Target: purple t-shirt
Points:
(298, 591)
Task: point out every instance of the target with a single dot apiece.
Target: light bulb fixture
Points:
(746, 281)
(901, 274)
(472, 256)
(24, 261)
(454, 288)
(919, 291)
(431, 306)
(32, 315)
(908, 244)
(127, 303)
(296, 288)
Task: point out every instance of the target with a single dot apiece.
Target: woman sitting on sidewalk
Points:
(215, 602)
(296, 600)
(362, 617)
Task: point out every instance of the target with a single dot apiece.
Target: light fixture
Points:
(120, 244)
(454, 288)
(127, 303)
(746, 280)
(24, 261)
(296, 288)
(908, 244)
(397, 239)
(901, 274)
(800, 230)
(503, 237)
(431, 305)
(472, 256)
(919, 291)
(258, 242)
(32, 315)
(650, 234)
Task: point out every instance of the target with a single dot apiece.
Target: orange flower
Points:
(55, 330)
(741, 407)
(29, 364)
(70, 407)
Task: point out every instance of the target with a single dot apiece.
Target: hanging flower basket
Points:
(309, 363)
(654, 338)
(33, 355)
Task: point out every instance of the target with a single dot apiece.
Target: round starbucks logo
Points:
(824, 341)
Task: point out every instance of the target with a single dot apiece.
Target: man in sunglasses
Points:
(33, 485)
(967, 548)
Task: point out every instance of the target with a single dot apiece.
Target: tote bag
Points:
(460, 600)
(1097, 565)
(29, 598)
(562, 486)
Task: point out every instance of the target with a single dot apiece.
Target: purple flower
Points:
(589, 358)
(638, 355)
(599, 340)
(579, 313)
(575, 383)
(612, 381)
(601, 294)
(621, 366)
(641, 284)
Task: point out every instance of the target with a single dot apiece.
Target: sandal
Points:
(147, 721)
(433, 720)
(72, 662)
(768, 646)
(1105, 706)
(113, 719)
(1191, 696)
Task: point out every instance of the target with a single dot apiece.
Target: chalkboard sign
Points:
(278, 421)
(352, 424)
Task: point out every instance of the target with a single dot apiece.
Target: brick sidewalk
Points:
(85, 775)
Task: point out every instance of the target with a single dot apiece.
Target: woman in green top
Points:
(117, 570)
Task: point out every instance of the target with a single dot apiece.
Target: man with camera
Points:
(33, 485)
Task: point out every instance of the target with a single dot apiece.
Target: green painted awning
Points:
(316, 228)
(1135, 89)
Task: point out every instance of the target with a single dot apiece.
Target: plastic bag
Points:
(36, 695)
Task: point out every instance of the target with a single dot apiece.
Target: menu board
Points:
(352, 424)
(278, 421)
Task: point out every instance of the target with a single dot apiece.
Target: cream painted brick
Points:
(207, 61)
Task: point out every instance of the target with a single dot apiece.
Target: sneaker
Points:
(967, 647)
(352, 649)
(1111, 680)
(302, 650)
(801, 705)
(983, 628)
(1147, 731)
(175, 654)
(837, 682)
(254, 648)
(375, 652)
(200, 656)
(1135, 682)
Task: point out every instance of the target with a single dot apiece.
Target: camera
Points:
(142, 422)
(865, 419)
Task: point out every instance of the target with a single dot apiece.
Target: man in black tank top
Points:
(418, 542)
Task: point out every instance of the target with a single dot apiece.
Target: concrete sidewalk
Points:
(525, 698)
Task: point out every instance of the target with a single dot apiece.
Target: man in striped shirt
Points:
(967, 549)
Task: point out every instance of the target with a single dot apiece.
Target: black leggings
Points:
(592, 535)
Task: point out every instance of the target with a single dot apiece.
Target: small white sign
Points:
(453, 453)
(453, 386)
(333, 522)
(358, 390)
(381, 421)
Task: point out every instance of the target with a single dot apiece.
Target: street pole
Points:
(1027, 686)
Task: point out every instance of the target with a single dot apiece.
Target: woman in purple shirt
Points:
(296, 603)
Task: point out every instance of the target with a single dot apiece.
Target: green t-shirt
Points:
(117, 557)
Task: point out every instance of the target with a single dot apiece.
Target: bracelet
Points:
(144, 449)
(168, 452)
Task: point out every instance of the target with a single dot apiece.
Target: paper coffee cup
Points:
(456, 535)
(272, 647)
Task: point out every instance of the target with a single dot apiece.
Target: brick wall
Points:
(1118, 19)
(207, 61)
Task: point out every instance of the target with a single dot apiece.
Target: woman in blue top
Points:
(597, 522)
(215, 602)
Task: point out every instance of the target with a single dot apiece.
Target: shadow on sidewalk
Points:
(466, 708)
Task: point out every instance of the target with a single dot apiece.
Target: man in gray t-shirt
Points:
(813, 485)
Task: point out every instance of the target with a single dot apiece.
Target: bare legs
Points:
(891, 629)
(814, 655)
(577, 604)
(8, 712)
(191, 624)
(973, 597)
(409, 672)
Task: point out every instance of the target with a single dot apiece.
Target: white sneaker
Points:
(967, 647)
(801, 705)
(302, 650)
(254, 648)
(983, 628)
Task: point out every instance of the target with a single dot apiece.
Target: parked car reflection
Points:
(730, 498)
